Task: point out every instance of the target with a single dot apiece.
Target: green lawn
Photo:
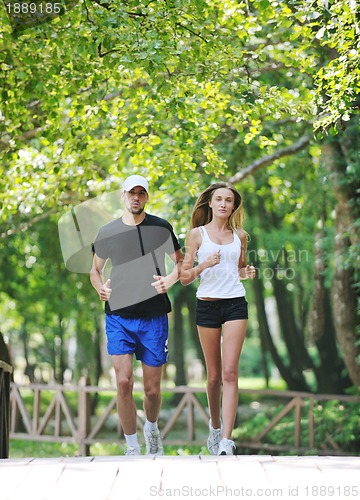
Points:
(27, 449)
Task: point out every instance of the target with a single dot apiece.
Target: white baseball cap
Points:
(135, 180)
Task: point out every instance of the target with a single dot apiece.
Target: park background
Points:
(261, 93)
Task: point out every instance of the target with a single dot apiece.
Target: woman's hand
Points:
(250, 272)
(213, 259)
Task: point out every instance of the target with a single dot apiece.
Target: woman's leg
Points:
(210, 339)
(233, 340)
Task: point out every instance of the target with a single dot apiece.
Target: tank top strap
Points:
(202, 232)
(236, 237)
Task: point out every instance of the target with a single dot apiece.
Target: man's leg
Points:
(123, 365)
(152, 393)
(152, 404)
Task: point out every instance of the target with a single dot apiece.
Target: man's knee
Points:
(152, 391)
(125, 384)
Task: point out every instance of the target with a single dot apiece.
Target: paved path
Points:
(190, 477)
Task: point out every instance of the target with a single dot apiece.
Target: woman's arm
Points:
(245, 271)
(189, 273)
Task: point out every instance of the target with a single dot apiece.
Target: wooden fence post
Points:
(5, 373)
(83, 416)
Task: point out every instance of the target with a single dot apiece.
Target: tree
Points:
(52, 305)
(170, 89)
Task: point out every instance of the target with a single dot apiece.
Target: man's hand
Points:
(105, 291)
(160, 284)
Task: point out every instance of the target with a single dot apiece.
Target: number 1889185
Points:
(33, 8)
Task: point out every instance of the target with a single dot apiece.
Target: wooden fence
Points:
(5, 374)
(56, 413)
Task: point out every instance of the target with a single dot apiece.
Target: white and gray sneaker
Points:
(132, 451)
(226, 447)
(153, 442)
(214, 439)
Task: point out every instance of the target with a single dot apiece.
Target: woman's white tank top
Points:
(222, 280)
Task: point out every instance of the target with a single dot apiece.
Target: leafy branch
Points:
(269, 159)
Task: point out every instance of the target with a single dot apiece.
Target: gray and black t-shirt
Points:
(137, 253)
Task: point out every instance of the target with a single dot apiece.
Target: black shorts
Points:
(214, 313)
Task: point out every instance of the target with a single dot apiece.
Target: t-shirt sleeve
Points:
(175, 245)
(100, 246)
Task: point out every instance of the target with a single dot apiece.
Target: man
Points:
(136, 305)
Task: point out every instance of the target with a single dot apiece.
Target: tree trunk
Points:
(61, 351)
(329, 374)
(97, 359)
(264, 331)
(191, 307)
(344, 296)
(344, 304)
(97, 349)
(298, 355)
(316, 317)
(291, 376)
(320, 326)
(29, 368)
(4, 351)
(179, 348)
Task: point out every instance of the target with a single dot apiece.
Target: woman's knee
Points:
(214, 381)
(230, 376)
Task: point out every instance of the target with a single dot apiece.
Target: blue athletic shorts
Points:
(146, 337)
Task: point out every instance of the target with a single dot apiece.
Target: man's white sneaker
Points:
(132, 451)
(153, 442)
(214, 439)
(226, 447)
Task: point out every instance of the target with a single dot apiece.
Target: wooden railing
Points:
(57, 413)
(5, 374)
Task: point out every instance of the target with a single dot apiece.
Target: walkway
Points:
(190, 477)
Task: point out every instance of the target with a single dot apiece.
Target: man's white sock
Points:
(150, 426)
(132, 440)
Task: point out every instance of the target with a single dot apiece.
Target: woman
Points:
(218, 242)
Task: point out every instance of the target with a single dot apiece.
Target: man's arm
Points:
(163, 283)
(96, 278)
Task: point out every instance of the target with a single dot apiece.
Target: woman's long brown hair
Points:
(202, 212)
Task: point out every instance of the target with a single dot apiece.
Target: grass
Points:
(35, 449)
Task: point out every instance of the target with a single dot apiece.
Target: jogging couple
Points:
(137, 305)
